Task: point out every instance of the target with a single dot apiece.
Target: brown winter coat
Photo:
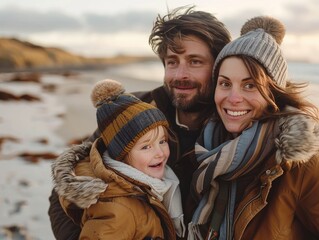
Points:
(284, 204)
(279, 200)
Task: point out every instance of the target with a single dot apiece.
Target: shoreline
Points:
(79, 120)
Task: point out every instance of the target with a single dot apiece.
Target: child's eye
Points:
(163, 141)
(146, 147)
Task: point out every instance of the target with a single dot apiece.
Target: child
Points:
(125, 188)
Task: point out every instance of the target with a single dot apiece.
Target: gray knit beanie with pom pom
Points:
(260, 39)
(122, 118)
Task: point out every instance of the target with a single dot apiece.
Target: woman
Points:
(259, 166)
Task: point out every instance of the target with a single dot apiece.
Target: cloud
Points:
(17, 20)
(235, 22)
(92, 32)
(140, 21)
(298, 19)
(302, 18)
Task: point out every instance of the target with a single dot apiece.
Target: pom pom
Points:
(105, 90)
(270, 25)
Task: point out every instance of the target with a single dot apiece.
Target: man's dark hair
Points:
(184, 21)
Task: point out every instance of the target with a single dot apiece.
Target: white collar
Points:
(178, 123)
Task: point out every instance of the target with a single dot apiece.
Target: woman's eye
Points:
(250, 86)
(224, 84)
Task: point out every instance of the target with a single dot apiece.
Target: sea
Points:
(302, 71)
(153, 71)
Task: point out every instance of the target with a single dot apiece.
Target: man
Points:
(187, 42)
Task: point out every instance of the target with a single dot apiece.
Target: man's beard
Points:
(194, 104)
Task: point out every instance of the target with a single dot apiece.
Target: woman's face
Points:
(237, 98)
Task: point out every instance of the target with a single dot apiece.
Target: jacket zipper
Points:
(228, 227)
(249, 202)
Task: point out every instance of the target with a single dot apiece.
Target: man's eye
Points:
(196, 61)
(170, 62)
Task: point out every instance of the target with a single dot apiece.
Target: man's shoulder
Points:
(159, 98)
(145, 96)
(149, 96)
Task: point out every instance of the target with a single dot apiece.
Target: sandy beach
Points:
(32, 133)
(32, 130)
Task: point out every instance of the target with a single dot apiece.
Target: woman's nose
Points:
(235, 96)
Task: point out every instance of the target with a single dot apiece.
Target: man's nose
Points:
(182, 72)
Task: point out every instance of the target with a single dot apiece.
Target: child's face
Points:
(150, 153)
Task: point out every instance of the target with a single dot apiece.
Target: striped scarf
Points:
(228, 159)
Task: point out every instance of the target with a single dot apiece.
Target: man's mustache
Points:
(184, 83)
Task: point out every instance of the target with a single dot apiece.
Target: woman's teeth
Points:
(236, 113)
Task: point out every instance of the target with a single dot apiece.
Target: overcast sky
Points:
(110, 27)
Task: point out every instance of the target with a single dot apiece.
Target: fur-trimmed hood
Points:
(82, 190)
(298, 140)
(84, 182)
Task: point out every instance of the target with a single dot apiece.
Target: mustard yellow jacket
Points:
(125, 209)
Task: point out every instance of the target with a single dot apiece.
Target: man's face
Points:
(188, 75)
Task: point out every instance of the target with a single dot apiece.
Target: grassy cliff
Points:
(16, 54)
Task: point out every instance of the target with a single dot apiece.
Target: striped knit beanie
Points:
(260, 39)
(122, 118)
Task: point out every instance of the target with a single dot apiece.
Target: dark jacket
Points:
(181, 160)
